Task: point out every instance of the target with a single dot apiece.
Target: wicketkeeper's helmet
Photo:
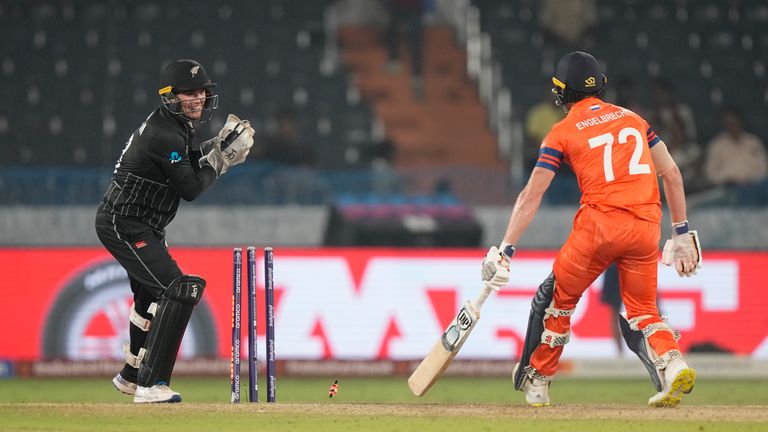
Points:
(185, 75)
(577, 76)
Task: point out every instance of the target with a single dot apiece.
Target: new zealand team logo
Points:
(175, 157)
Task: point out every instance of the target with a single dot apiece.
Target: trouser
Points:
(143, 254)
(597, 240)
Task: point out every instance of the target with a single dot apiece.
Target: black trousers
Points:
(151, 269)
(140, 250)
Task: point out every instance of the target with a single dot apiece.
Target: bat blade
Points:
(446, 348)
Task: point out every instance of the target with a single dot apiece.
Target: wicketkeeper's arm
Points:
(167, 149)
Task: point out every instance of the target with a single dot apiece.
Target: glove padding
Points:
(685, 252)
(207, 146)
(495, 268)
(230, 147)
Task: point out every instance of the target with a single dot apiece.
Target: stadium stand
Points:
(713, 54)
(78, 76)
(85, 71)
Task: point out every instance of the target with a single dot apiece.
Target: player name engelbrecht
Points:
(605, 118)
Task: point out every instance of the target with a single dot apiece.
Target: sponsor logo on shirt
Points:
(175, 157)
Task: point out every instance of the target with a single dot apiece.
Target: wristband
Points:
(680, 228)
(507, 249)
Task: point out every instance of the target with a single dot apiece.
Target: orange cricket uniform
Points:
(608, 148)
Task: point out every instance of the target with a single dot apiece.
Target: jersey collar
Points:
(585, 104)
(186, 124)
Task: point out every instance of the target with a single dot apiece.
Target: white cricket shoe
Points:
(123, 385)
(536, 390)
(678, 380)
(158, 393)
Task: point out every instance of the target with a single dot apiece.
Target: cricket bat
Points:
(449, 344)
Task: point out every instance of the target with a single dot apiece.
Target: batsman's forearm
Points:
(674, 191)
(525, 209)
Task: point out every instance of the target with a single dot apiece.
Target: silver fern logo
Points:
(194, 70)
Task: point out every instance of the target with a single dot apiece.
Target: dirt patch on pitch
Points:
(566, 412)
(715, 413)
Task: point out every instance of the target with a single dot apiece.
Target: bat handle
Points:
(480, 300)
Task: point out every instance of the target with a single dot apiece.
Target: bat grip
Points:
(478, 303)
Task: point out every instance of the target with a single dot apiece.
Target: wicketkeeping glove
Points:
(230, 147)
(683, 249)
(495, 267)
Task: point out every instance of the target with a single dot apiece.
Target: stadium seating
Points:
(714, 52)
(78, 77)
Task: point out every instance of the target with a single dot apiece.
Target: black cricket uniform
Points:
(155, 170)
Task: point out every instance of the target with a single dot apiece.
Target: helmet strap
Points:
(173, 104)
(559, 99)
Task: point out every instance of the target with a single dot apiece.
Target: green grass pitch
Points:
(382, 404)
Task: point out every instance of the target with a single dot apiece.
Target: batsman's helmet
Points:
(577, 76)
(185, 75)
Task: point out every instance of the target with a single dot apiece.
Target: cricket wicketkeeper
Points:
(159, 165)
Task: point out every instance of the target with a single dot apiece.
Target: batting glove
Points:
(495, 267)
(683, 249)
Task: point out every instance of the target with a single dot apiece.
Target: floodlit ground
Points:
(382, 404)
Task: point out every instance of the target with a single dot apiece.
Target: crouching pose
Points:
(616, 157)
(160, 164)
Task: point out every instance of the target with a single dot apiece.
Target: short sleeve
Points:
(651, 137)
(550, 153)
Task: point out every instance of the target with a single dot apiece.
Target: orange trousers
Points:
(599, 238)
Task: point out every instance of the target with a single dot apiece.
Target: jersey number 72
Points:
(606, 139)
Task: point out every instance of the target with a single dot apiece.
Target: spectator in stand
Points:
(674, 123)
(284, 146)
(290, 173)
(538, 121)
(407, 15)
(357, 13)
(737, 160)
(569, 21)
(624, 94)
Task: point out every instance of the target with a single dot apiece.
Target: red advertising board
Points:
(357, 304)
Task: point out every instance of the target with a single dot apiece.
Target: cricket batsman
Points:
(616, 157)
